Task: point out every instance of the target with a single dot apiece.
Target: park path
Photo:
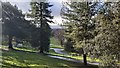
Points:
(60, 51)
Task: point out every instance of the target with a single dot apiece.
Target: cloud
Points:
(24, 5)
(54, 26)
(56, 8)
(15, 0)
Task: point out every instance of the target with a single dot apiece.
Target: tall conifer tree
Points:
(41, 15)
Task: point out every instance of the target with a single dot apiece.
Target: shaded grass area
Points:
(22, 59)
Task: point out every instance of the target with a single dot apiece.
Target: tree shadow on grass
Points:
(23, 56)
(18, 50)
(8, 65)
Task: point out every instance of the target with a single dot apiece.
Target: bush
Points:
(4, 43)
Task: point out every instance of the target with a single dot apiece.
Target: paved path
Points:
(60, 51)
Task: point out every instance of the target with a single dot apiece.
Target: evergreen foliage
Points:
(95, 28)
(14, 24)
(40, 37)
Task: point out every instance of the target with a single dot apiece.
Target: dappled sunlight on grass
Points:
(63, 65)
(38, 66)
(26, 49)
(31, 60)
(56, 46)
(74, 57)
(4, 47)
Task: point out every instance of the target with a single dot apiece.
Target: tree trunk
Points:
(10, 46)
(41, 49)
(61, 42)
(85, 59)
(41, 26)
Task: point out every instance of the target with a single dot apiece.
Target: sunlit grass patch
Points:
(27, 49)
(56, 46)
(80, 57)
(19, 59)
(55, 43)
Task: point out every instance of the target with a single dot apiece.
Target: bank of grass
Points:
(21, 59)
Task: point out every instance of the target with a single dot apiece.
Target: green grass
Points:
(30, 49)
(18, 59)
(21, 59)
(56, 46)
(74, 57)
(54, 41)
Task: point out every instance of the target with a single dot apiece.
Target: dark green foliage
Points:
(68, 45)
(68, 41)
(80, 24)
(40, 37)
(95, 28)
(107, 41)
(14, 23)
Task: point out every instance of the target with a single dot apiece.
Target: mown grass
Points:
(54, 41)
(73, 56)
(22, 59)
(56, 46)
(80, 57)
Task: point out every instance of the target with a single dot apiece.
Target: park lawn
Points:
(56, 46)
(52, 52)
(74, 57)
(54, 41)
(20, 59)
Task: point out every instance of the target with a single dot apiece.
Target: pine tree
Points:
(79, 17)
(14, 23)
(41, 15)
(96, 29)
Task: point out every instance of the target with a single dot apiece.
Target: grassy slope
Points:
(19, 59)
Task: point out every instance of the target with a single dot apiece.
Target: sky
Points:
(24, 5)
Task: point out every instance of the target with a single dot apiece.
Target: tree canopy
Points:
(94, 27)
(14, 23)
(41, 15)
